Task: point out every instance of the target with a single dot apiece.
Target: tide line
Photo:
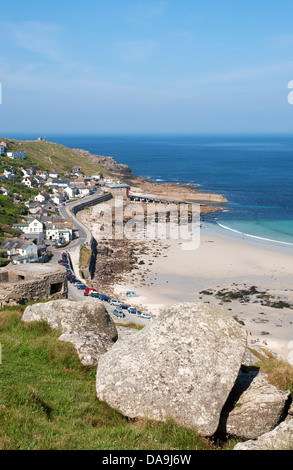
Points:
(253, 236)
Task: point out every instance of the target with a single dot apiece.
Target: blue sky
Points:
(143, 66)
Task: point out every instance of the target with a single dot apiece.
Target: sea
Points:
(254, 172)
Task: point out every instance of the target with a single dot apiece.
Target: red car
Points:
(89, 290)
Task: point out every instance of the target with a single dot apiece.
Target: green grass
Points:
(48, 399)
(85, 256)
(280, 372)
(10, 214)
(44, 155)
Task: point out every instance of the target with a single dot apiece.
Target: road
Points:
(73, 249)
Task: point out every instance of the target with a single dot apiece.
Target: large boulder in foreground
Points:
(181, 366)
(86, 324)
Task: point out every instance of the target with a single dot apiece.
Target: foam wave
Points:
(253, 236)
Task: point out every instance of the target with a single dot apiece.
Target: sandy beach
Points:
(167, 275)
(250, 278)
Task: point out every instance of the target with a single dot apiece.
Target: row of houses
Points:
(46, 227)
(30, 245)
(79, 186)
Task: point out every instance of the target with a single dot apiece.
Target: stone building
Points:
(32, 282)
(119, 190)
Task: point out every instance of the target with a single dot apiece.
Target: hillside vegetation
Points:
(44, 155)
(41, 155)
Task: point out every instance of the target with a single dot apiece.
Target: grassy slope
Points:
(47, 155)
(48, 399)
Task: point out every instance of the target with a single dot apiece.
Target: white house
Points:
(29, 181)
(59, 230)
(98, 176)
(71, 191)
(58, 198)
(53, 174)
(26, 171)
(9, 174)
(108, 181)
(84, 190)
(42, 197)
(20, 251)
(57, 183)
(15, 155)
(33, 225)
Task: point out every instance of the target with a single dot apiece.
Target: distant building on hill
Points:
(53, 174)
(15, 155)
(2, 150)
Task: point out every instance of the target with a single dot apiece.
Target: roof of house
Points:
(12, 244)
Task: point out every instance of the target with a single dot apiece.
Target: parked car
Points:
(124, 306)
(95, 294)
(131, 310)
(146, 315)
(105, 298)
(115, 302)
(119, 309)
(119, 313)
(90, 290)
(81, 286)
(138, 312)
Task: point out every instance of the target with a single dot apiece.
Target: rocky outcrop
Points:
(86, 324)
(254, 406)
(280, 438)
(181, 366)
(107, 162)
